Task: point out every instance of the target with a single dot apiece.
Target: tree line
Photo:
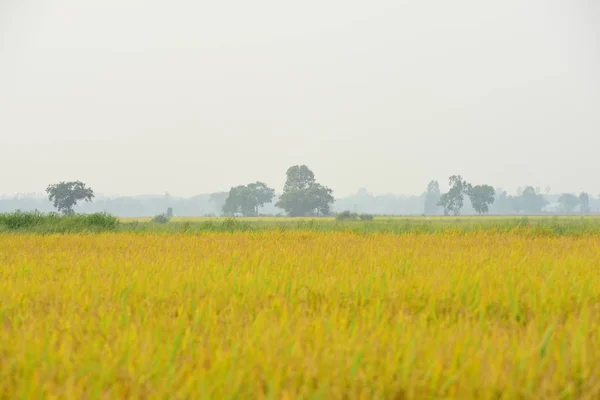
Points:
(528, 201)
(303, 196)
(481, 196)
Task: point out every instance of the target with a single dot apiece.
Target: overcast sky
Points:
(142, 96)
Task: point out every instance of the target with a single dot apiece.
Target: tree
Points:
(321, 197)
(481, 197)
(65, 195)
(302, 195)
(530, 201)
(299, 177)
(432, 198)
(218, 200)
(502, 203)
(453, 200)
(568, 202)
(584, 203)
(261, 193)
(238, 201)
(247, 199)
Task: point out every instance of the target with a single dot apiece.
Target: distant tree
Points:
(302, 195)
(247, 199)
(298, 177)
(432, 198)
(515, 203)
(568, 202)
(530, 201)
(481, 197)
(238, 201)
(261, 194)
(502, 202)
(584, 203)
(218, 199)
(161, 219)
(453, 200)
(65, 195)
(346, 216)
(321, 197)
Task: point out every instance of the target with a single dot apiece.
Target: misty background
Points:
(138, 97)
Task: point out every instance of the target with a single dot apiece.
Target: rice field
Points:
(300, 314)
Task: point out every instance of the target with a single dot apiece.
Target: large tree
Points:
(261, 193)
(453, 200)
(481, 197)
(302, 195)
(530, 201)
(65, 195)
(432, 198)
(568, 202)
(321, 197)
(247, 199)
(298, 177)
(502, 202)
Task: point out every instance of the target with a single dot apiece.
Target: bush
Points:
(366, 217)
(346, 216)
(161, 219)
(19, 220)
(101, 220)
(54, 223)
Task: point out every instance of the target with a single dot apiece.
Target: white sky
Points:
(193, 97)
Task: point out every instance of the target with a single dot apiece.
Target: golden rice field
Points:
(283, 315)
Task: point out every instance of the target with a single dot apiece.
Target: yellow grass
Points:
(299, 315)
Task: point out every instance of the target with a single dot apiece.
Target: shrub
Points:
(346, 216)
(102, 220)
(161, 219)
(19, 219)
(366, 217)
(54, 223)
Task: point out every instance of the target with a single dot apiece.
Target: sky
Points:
(188, 97)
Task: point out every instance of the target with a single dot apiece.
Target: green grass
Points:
(36, 222)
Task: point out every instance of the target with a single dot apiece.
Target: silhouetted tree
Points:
(261, 193)
(530, 201)
(248, 199)
(302, 195)
(65, 195)
(481, 197)
(453, 200)
(502, 202)
(432, 198)
(584, 203)
(568, 202)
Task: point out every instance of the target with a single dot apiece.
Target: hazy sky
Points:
(196, 96)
